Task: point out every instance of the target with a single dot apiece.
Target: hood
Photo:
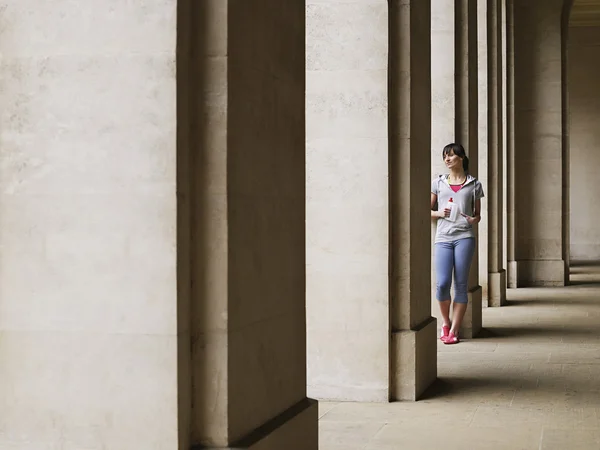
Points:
(444, 179)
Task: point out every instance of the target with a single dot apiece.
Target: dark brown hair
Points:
(459, 151)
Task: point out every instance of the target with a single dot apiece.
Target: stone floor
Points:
(531, 381)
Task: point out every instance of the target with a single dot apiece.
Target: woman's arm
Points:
(476, 213)
(434, 214)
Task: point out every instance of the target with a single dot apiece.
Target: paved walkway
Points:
(530, 382)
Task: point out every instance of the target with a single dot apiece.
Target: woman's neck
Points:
(457, 176)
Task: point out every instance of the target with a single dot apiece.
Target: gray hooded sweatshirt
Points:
(472, 190)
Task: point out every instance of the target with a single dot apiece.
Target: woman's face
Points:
(452, 161)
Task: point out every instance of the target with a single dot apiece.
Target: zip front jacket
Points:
(464, 200)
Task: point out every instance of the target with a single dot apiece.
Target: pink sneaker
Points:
(445, 332)
(451, 339)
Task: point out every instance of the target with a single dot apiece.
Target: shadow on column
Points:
(192, 205)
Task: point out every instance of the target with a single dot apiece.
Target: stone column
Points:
(584, 116)
(89, 327)
(454, 108)
(371, 336)
(566, 150)
(414, 340)
(348, 309)
(443, 111)
(482, 134)
(510, 146)
(245, 150)
(497, 274)
(539, 168)
(466, 132)
(504, 52)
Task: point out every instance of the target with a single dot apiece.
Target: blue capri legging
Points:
(455, 255)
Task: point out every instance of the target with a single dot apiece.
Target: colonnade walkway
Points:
(531, 381)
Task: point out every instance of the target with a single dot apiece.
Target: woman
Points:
(454, 240)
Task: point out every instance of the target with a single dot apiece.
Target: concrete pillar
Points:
(454, 108)
(497, 274)
(347, 209)
(246, 194)
(443, 89)
(504, 51)
(538, 234)
(482, 134)
(466, 132)
(89, 327)
(583, 104)
(510, 146)
(443, 111)
(414, 337)
(566, 151)
(371, 336)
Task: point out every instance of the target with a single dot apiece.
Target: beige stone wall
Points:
(584, 108)
(538, 143)
(88, 329)
(347, 199)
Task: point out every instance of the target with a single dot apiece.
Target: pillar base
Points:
(294, 429)
(415, 360)
(497, 289)
(471, 325)
(538, 273)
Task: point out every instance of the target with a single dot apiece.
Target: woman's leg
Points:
(463, 255)
(444, 261)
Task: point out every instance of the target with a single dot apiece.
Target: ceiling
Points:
(585, 13)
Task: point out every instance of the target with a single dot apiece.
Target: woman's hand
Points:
(471, 220)
(443, 213)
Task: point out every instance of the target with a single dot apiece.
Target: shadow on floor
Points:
(487, 373)
(452, 386)
(537, 331)
(556, 302)
(461, 388)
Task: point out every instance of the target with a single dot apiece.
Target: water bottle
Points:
(453, 207)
